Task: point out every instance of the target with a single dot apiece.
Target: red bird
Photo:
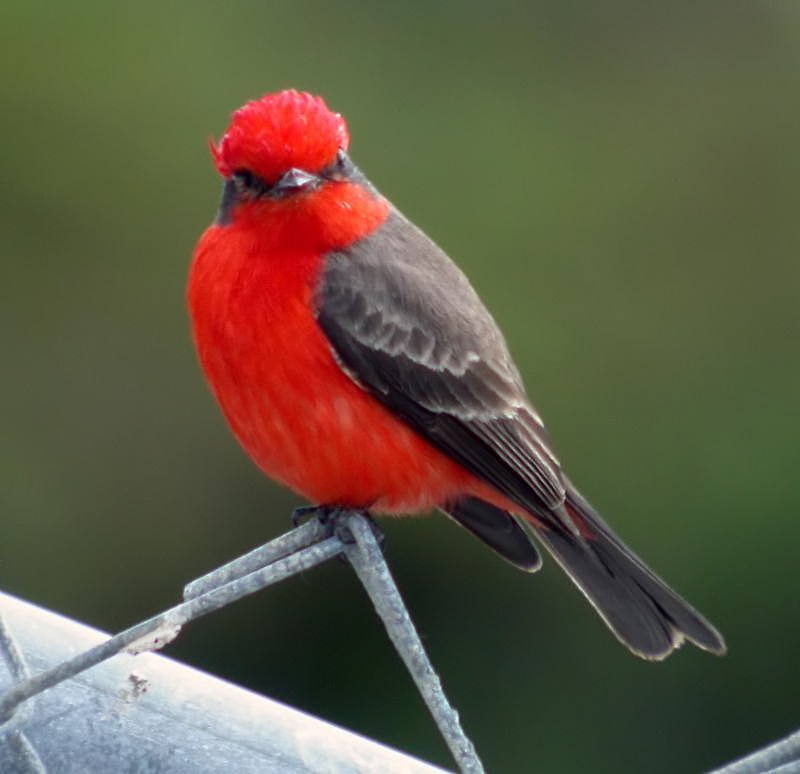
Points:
(356, 364)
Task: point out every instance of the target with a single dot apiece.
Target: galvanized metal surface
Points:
(781, 757)
(147, 713)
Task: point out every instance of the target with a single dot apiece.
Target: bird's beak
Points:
(294, 180)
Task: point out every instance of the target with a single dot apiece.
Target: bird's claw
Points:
(330, 516)
(323, 513)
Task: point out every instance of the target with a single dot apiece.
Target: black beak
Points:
(293, 181)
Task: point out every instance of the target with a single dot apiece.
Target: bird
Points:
(356, 365)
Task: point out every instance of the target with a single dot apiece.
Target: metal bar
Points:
(157, 631)
(149, 713)
(313, 531)
(781, 757)
(304, 547)
(367, 559)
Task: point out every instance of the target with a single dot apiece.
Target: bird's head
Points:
(282, 140)
(279, 156)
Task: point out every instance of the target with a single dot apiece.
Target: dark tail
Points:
(642, 611)
(498, 529)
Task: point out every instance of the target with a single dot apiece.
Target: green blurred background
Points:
(619, 180)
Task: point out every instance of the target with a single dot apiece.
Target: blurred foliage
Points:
(621, 182)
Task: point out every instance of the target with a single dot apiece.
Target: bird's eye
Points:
(245, 182)
(343, 161)
(341, 168)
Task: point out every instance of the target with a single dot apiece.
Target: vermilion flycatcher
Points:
(356, 364)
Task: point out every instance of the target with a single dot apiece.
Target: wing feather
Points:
(431, 352)
(407, 326)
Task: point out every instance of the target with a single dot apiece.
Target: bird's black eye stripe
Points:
(240, 186)
(341, 169)
(248, 184)
(343, 161)
(244, 184)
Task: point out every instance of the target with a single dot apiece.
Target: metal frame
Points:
(166, 707)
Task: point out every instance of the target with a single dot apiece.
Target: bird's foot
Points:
(342, 530)
(303, 513)
(331, 516)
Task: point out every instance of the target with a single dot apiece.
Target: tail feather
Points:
(642, 611)
(498, 529)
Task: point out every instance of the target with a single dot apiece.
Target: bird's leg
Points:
(337, 522)
(340, 519)
(302, 513)
(331, 516)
